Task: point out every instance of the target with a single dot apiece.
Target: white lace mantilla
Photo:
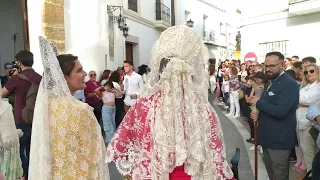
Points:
(66, 138)
(172, 124)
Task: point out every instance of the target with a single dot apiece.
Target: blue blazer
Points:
(277, 117)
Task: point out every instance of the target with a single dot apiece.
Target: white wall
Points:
(197, 9)
(146, 33)
(147, 8)
(301, 31)
(10, 24)
(85, 31)
(147, 38)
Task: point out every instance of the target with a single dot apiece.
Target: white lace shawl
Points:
(53, 86)
(10, 163)
(181, 131)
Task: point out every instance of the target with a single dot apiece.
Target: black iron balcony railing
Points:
(297, 1)
(163, 12)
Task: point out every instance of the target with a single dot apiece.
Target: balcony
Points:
(300, 7)
(209, 36)
(162, 17)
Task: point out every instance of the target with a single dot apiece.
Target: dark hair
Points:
(105, 74)
(25, 57)
(233, 70)
(163, 64)
(260, 75)
(143, 69)
(211, 69)
(291, 73)
(128, 62)
(297, 64)
(297, 57)
(7, 65)
(67, 63)
(247, 78)
(115, 76)
(109, 83)
(276, 53)
(310, 59)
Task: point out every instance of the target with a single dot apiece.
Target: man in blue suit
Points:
(277, 117)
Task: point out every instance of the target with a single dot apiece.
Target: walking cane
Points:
(255, 150)
(254, 110)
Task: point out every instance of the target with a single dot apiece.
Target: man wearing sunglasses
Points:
(277, 117)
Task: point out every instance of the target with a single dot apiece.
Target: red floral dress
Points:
(132, 150)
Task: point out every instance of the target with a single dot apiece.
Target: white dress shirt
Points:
(132, 86)
(309, 95)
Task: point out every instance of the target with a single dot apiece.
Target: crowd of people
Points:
(155, 123)
(60, 125)
(243, 89)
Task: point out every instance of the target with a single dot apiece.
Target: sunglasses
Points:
(92, 75)
(311, 72)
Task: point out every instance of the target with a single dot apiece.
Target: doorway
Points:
(129, 52)
(15, 37)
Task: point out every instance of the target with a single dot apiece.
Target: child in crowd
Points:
(108, 95)
(234, 92)
(249, 83)
(258, 88)
(212, 78)
(225, 90)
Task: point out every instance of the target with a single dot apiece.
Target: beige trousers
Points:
(308, 146)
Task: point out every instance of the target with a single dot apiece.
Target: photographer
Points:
(20, 85)
(4, 79)
(9, 71)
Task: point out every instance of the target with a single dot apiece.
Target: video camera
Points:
(13, 67)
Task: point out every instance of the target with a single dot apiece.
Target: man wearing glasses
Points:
(276, 117)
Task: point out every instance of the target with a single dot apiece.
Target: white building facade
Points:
(90, 30)
(146, 20)
(291, 27)
(217, 23)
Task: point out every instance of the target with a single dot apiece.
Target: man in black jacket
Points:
(277, 117)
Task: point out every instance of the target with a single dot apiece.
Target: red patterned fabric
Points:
(132, 151)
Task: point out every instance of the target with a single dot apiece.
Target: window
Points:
(133, 5)
(223, 29)
(204, 24)
(281, 46)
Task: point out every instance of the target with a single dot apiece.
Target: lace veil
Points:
(180, 124)
(53, 84)
(10, 163)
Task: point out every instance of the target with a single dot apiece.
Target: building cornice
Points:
(212, 5)
(134, 16)
(266, 18)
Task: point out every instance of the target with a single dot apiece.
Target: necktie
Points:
(270, 84)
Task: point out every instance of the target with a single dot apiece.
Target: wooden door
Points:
(129, 52)
(24, 9)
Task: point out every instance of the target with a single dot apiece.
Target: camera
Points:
(14, 66)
